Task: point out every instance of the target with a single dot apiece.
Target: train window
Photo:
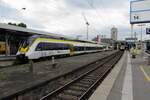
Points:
(65, 46)
(51, 46)
(75, 48)
(78, 48)
(87, 48)
(82, 48)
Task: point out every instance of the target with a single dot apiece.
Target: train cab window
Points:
(25, 44)
(39, 47)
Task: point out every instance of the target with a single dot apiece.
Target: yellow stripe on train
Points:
(24, 50)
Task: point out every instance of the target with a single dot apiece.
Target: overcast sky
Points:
(66, 16)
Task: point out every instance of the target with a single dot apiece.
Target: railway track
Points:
(81, 87)
(78, 84)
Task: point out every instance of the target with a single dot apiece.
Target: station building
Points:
(114, 33)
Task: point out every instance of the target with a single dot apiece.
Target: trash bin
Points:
(133, 56)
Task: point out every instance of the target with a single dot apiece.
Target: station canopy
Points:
(16, 30)
(25, 31)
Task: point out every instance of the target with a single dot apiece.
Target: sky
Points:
(66, 17)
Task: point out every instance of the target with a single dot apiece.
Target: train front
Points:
(22, 51)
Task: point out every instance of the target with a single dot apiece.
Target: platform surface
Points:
(129, 80)
(7, 60)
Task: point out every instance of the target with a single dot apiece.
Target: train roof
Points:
(74, 40)
(75, 43)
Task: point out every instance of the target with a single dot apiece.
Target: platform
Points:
(129, 80)
(4, 57)
(6, 60)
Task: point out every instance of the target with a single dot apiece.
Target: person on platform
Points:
(133, 51)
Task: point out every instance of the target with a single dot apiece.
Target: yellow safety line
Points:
(145, 74)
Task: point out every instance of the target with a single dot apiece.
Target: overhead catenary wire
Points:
(97, 14)
(99, 17)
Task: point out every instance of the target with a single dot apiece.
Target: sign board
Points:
(140, 11)
(147, 30)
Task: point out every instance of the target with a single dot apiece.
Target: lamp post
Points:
(134, 37)
(23, 8)
(141, 25)
(87, 24)
(87, 30)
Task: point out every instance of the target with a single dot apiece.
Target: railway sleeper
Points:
(96, 74)
(73, 92)
(81, 85)
(86, 82)
(89, 79)
(92, 76)
(77, 88)
(63, 96)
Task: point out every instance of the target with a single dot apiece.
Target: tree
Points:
(12, 24)
(20, 24)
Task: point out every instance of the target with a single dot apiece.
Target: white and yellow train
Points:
(40, 46)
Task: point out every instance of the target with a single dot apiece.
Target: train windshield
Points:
(25, 44)
(29, 41)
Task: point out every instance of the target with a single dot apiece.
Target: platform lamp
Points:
(87, 23)
(23, 8)
(141, 25)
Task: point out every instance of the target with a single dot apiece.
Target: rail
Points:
(63, 92)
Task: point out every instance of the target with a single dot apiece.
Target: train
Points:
(2, 47)
(122, 46)
(39, 46)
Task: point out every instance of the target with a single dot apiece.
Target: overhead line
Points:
(97, 13)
